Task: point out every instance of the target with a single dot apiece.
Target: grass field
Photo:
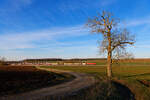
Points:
(136, 76)
(18, 79)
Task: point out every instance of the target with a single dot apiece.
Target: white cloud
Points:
(137, 22)
(45, 43)
(107, 2)
(82, 51)
(143, 46)
(34, 38)
(15, 5)
(22, 2)
(70, 5)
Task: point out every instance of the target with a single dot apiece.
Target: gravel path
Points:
(81, 81)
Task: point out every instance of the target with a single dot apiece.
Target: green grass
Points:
(138, 72)
(124, 63)
(128, 74)
(135, 63)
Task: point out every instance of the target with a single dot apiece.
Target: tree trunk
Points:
(109, 59)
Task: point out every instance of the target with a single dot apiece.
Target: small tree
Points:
(114, 40)
(2, 60)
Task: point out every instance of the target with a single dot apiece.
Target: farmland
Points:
(131, 79)
(18, 79)
(135, 75)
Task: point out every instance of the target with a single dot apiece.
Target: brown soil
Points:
(18, 79)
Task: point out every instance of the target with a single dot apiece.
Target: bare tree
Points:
(115, 39)
(2, 60)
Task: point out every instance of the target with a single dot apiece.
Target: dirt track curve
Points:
(81, 81)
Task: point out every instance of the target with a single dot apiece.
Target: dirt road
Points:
(81, 81)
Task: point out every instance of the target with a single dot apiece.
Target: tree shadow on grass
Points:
(104, 90)
(120, 92)
(144, 74)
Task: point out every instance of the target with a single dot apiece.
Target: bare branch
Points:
(114, 39)
(121, 43)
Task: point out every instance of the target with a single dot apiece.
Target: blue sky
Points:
(56, 28)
